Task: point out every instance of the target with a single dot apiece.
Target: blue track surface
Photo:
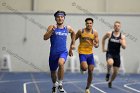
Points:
(11, 82)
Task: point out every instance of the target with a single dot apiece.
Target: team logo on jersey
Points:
(61, 33)
(115, 40)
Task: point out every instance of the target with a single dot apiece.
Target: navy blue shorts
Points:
(116, 59)
(89, 58)
(53, 60)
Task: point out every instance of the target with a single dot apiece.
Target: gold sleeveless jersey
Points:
(86, 42)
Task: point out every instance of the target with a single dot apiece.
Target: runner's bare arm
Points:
(72, 45)
(123, 42)
(78, 34)
(96, 40)
(107, 35)
(49, 32)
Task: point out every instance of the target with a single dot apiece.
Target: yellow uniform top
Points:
(86, 42)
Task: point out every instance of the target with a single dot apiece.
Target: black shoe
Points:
(107, 77)
(110, 84)
(54, 90)
(61, 90)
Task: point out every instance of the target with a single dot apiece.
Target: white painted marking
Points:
(127, 86)
(98, 88)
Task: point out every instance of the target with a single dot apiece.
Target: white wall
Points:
(20, 5)
(93, 6)
(67, 5)
(123, 6)
(32, 55)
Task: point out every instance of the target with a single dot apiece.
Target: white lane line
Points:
(100, 83)
(98, 89)
(127, 86)
(24, 88)
(114, 86)
(76, 81)
(36, 86)
(7, 81)
(92, 85)
(10, 81)
(27, 83)
(33, 81)
(72, 82)
(121, 89)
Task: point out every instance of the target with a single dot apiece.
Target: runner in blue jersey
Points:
(58, 51)
(116, 40)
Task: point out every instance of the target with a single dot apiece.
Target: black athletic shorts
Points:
(116, 59)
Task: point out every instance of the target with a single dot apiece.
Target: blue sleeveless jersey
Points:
(58, 40)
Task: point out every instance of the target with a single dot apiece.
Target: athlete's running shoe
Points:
(110, 84)
(54, 90)
(61, 89)
(107, 77)
(87, 91)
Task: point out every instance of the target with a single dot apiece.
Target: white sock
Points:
(60, 82)
(55, 84)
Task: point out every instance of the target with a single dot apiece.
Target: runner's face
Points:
(117, 27)
(60, 19)
(89, 24)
